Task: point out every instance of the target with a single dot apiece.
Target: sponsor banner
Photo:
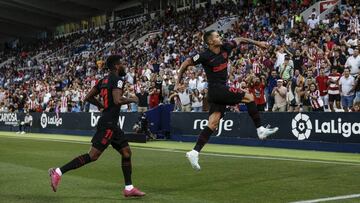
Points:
(133, 20)
(326, 127)
(66, 121)
(9, 119)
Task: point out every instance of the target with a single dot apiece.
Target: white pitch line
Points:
(204, 153)
(329, 199)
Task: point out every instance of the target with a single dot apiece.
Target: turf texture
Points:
(229, 173)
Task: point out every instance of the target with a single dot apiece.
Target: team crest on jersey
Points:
(225, 55)
(120, 84)
(196, 57)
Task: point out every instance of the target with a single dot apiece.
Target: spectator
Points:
(279, 94)
(257, 88)
(322, 83)
(143, 100)
(315, 98)
(353, 63)
(347, 87)
(271, 84)
(357, 89)
(27, 123)
(154, 99)
(286, 70)
(75, 108)
(333, 89)
(196, 101)
(292, 98)
(312, 21)
(184, 96)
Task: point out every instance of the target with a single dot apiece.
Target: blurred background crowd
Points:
(311, 65)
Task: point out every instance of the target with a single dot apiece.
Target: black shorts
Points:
(334, 97)
(109, 135)
(220, 96)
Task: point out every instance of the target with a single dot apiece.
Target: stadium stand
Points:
(53, 75)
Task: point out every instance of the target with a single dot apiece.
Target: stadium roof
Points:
(24, 18)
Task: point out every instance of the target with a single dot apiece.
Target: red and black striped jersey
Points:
(105, 86)
(215, 65)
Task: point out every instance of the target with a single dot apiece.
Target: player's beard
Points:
(122, 72)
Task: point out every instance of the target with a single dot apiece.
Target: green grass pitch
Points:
(229, 173)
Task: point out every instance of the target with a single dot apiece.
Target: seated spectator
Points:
(317, 103)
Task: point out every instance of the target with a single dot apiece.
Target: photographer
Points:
(26, 124)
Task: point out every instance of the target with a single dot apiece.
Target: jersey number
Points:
(104, 95)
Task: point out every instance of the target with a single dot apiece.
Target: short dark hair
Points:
(207, 35)
(112, 60)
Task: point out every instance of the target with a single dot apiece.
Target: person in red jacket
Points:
(322, 83)
(257, 88)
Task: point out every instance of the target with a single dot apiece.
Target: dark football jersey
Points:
(215, 65)
(105, 86)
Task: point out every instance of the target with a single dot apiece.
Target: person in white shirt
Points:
(312, 22)
(347, 87)
(280, 57)
(193, 82)
(352, 43)
(353, 63)
(184, 96)
(279, 94)
(27, 123)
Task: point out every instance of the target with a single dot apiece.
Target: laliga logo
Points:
(45, 120)
(301, 126)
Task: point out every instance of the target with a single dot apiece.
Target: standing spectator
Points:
(154, 99)
(271, 84)
(279, 94)
(257, 88)
(352, 43)
(64, 103)
(184, 96)
(286, 70)
(291, 97)
(196, 101)
(353, 63)
(357, 89)
(313, 21)
(32, 103)
(315, 99)
(193, 82)
(338, 61)
(333, 90)
(143, 100)
(347, 87)
(322, 83)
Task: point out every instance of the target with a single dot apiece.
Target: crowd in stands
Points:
(309, 66)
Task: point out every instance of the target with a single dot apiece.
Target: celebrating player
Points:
(214, 61)
(108, 131)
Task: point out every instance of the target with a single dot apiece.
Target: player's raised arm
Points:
(90, 97)
(260, 44)
(183, 67)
